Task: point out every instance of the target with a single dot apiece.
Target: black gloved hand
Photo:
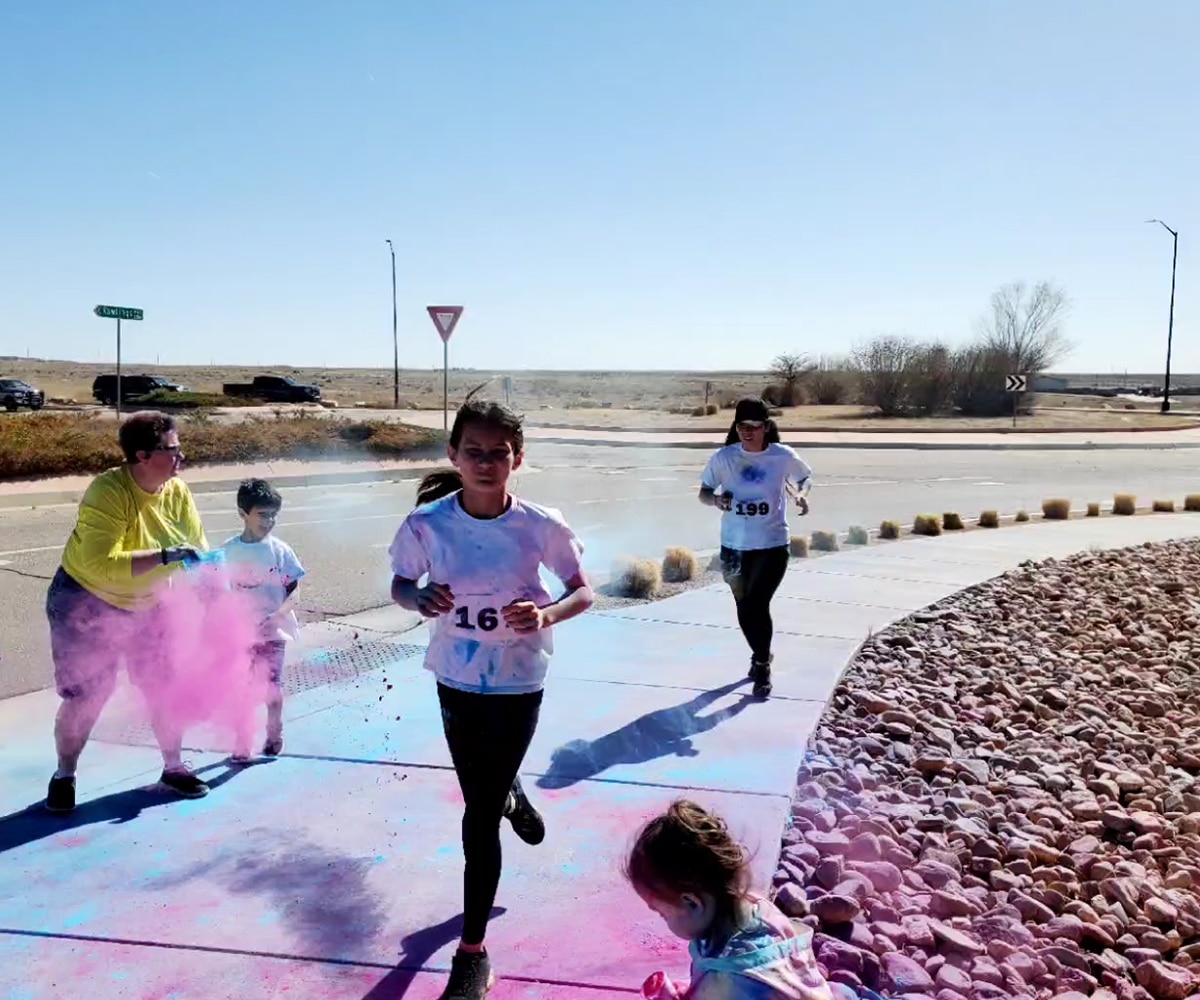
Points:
(180, 554)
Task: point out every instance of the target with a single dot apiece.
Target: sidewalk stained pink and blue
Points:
(334, 871)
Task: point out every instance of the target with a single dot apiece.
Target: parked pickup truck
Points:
(133, 387)
(274, 389)
(14, 394)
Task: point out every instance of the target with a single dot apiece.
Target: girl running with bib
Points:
(689, 871)
(752, 473)
(482, 550)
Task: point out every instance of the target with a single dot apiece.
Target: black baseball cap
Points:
(751, 408)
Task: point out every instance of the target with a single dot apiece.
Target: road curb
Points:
(893, 445)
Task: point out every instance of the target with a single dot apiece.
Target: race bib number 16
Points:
(479, 618)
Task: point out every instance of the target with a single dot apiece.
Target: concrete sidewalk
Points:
(334, 871)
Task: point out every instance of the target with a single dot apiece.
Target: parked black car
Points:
(274, 389)
(104, 389)
(14, 394)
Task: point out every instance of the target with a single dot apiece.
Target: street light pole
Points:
(1166, 403)
(395, 342)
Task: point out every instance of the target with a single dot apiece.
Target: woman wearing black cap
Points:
(751, 474)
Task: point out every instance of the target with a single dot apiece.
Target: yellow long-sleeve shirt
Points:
(117, 518)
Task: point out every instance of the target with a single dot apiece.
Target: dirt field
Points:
(616, 399)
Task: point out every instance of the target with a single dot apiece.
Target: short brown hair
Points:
(689, 850)
(143, 431)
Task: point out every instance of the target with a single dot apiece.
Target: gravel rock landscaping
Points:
(1003, 796)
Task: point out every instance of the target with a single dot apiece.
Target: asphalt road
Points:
(621, 500)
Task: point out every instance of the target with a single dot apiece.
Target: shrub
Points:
(1021, 516)
(696, 411)
(889, 530)
(927, 524)
(711, 410)
(1056, 510)
(857, 536)
(1124, 504)
(824, 541)
(931, 379)
(883, 367)
(1093, 510)
(829, 385)
(798, 547)
(637, 578)
(679, 565)
(952, 522)
(788, 371)
(1192, 502)
(989, 519)
(1164, 507)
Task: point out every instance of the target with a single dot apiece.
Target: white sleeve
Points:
(562, 550)
(409, 558)
(289, 565)
(798, 469)
(711, 478)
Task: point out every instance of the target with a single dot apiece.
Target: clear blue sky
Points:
(603, 183)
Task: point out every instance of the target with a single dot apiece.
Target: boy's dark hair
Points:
(437, 484)
(143, 431)
(497, 415)
(689, 850)
(257, 493)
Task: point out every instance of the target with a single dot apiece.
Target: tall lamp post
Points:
(395, 342)
(1166, 403)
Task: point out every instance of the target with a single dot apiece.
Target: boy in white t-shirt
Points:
(265, 569)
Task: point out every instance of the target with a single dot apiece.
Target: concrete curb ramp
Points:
(334, 872)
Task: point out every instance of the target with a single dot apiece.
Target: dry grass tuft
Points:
(679, 565)
(798, 547)
(1093, 510)
(636, 578)
(889, 530)
(927, 524)
(952, 522)
(1124, 504)
(824, 541)
(1191, 502)
(1021, 516)
(1163, 507)
(989, 519)
(858, 535)
(1056, 510)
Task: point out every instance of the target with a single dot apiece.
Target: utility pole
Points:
(395, 342)
(1166, 402)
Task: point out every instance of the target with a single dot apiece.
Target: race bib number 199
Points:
(751, 508)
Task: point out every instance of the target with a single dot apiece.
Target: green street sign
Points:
(117, 312)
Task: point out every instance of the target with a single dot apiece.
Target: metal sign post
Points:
(1015, 385)
(445, 319)
(118, 313)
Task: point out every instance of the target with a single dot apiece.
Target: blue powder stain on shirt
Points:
(753, 474)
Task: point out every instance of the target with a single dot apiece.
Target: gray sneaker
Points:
(183, 783)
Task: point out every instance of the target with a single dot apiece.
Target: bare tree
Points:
(789, 370)
(1027, 328)
(930, 379)
(830, 384)
(884, 368)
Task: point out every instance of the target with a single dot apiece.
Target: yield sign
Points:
(445, 318)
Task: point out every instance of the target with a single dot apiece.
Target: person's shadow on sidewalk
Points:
(34, 823)
(661, 733)
(416, 950)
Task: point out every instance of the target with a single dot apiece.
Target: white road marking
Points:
(24, 552)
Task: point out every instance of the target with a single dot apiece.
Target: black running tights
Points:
(488, 735)
(754, 575)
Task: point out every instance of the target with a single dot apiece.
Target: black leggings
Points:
(754, 575)
(488, 735)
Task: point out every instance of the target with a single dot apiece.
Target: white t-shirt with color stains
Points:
(487, 564)
(756, 481)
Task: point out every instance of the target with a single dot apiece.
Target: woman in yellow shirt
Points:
(137, 523)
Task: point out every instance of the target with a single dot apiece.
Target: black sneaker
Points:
(760, 673)
(526, 821)
(273, 747)
(183, 783)
(470, 976)
(60, 796)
